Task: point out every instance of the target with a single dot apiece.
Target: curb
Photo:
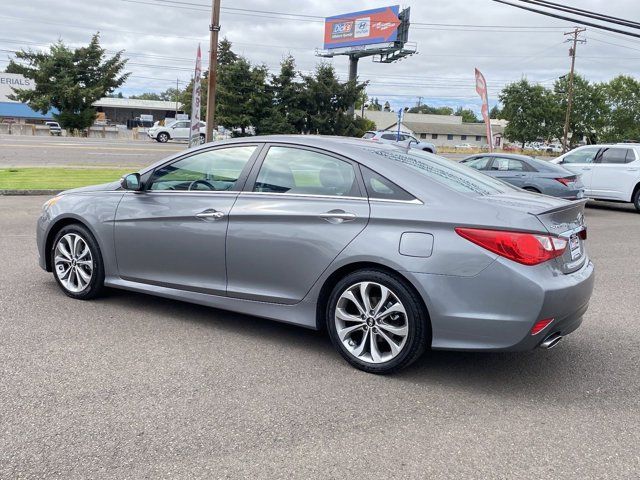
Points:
(29, 192)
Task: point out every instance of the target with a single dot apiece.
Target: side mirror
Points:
(131, 182)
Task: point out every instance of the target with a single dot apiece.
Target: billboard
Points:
(367, 27)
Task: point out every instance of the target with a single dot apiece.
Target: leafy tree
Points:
(432, 110)
(169, 95)
(530, 111)
(495, 112)
(375, 105)
(623, 109)
(326, 101)
(69, 80)
(468, 115)
(589, 109)
(225, 56)
(186, 96)
(287, 114)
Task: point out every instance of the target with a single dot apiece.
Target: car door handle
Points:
(338, 216)
(210, 214)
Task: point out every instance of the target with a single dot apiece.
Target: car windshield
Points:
(447, 172)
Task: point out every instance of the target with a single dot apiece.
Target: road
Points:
(23, 151)
(132, 386)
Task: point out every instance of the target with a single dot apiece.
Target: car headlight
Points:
(51, 202)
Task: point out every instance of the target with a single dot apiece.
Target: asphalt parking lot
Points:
(132, 386)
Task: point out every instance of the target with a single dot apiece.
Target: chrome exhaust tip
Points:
(551, 341)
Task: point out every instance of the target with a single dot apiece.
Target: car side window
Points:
(180, 125)
(304, 172)
(500, 164)
(480, 163)
(389, 136)
(212, 170)
(380, 188)
(583, 155)
(614, 155)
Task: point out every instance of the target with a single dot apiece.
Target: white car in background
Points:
(463, 146)
(178, 130)
(404, 139)
(609, 172)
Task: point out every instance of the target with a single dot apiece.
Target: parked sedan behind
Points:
(529, 173)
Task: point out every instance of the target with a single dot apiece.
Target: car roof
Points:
(501, 155)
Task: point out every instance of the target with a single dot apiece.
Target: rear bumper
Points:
(496, 309)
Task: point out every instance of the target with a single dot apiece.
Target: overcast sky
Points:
(161, 41)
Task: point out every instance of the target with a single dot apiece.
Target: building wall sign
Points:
(9, 81)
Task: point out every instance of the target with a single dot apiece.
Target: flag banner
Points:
(481, 88)
(194, 132)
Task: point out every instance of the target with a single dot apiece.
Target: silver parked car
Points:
(538, 176)
(402, 139)
(392, 251)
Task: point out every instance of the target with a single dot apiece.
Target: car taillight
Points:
(541, 325)
(566, 181)
(524, 248)
(583, 234)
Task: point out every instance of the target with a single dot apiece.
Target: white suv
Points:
(406, 140)
(609, 172)
(178, 130)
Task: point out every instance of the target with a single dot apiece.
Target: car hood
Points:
(104, 187)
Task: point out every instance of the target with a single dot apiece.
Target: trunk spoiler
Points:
(561, 208)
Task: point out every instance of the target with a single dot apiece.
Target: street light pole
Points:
(214, 28)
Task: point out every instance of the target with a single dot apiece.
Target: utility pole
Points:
(572, 53)
(177, 96)
(353, 76)
(214, 29)
(419, 102)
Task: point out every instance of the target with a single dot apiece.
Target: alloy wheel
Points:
(73, 262)
(371, 322)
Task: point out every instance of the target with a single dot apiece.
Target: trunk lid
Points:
(560, 218)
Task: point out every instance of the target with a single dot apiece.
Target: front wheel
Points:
(203, 139)
(77, 263)
(163, 137)
(376, 322)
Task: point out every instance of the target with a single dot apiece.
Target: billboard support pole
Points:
(353, 75)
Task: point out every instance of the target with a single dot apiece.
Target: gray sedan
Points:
(529, 173)
(391, 251)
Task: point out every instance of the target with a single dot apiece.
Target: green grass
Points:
(56, 178)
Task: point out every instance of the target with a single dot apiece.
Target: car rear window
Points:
(369, 135)
(447, 172)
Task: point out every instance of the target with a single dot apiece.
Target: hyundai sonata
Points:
(393, 251)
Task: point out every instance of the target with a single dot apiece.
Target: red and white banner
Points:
(194, 132)
(481, 88)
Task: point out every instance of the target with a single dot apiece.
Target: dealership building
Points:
(441, 130)
(12, 111)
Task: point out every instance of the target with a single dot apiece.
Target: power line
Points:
(574, 20)
(582, 12)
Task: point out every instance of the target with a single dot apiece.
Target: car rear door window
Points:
(380, 188)
(583, 155)
(212, 170)
(480, 163)
(389, 136)
(304, 172)
(614, 155)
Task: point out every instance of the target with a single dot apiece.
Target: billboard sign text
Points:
(368, 27)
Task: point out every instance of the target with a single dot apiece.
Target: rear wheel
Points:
(376, 322)
(77, 263)
(636, 200)
(163, 137)
(531, 189)
(203, 139)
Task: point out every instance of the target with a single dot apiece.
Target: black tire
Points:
(203, 139)
(532, 190)
(163, 137)
(428, 150)
(636, 200)
(96, 284)
(417, 320)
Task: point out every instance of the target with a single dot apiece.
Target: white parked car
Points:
(463, 146)
(54, 128)
(406, 140)
(178, 130)
(609, 172)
